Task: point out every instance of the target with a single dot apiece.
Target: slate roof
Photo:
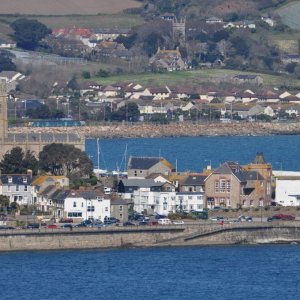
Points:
(17, 179)
(142, 163)
(118, 202)
(235, 169)
(142, 183)
(195, 180)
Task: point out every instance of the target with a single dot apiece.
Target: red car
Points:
(281, 217)
(52, 226)
(66, 220)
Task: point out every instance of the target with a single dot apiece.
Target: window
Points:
(199, 197)
(190, 197)
(17, 188)
(217, 186)
(81, 204)
(121, 216)
(8, 188)
(74, 214)
(222, 185)
(228, 186)
(25, 188)
(91, 208)
(24, 179)
(9, 179)
(106, 208)
(121, 208)
(165, 207)
(74, 204)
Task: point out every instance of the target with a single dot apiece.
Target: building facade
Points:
(34, 142)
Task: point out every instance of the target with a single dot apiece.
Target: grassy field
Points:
(197, 77)
(65, 7)
(84, 21)
(287, 42)
(290, 14)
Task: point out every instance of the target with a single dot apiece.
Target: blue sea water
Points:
(194, 153)
(230, 272)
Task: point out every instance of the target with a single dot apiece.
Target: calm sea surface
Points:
(194, 153)
(233, 272)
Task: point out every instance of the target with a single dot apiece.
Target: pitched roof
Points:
(118, 202)
(143, 163)
(18, 179)
(41, 179)
(142, 183)
(194, 180)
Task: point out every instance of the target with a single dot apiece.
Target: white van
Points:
(164, 221)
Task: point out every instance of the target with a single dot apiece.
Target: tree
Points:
(41, 112)
(121, 187)
(86, 74)
(18, 162)
(4, 203)
(60, 159)
(28, 33)
(240, 45)
(290, 68)
(6, 63)
(129, 112)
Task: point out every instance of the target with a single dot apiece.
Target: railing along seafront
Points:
(199, 227)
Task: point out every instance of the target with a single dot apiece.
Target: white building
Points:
(153, 202)
(17, 187)
(188, 201)
(86, 205)
(287, 189)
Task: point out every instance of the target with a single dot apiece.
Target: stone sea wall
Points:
(148, 237)
(171, 130)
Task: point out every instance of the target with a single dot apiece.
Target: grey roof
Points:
(118, 202)
(235, 169)
(17, 179)
(60, 195)
(195, 180)
(143, 163)
(142, 183)
(189, 193)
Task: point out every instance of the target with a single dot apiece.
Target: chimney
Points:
(29, 173)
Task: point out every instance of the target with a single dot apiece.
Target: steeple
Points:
(259, 159)
(3, 111)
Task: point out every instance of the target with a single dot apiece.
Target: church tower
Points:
(179, 29)
(3, 111)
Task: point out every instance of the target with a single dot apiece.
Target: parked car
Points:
(4, 227)
(245, 219)
(128, 224)
(143, 223)
(164, 221)
(66, 226)
(52, 226)
(281, 217)
(152, 223)
(218, 218)
(112, 220)
(157, 217)
(66, 220)
(32, 226)
(178, 222)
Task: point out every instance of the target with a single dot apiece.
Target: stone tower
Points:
(179, 29)
(3, 111)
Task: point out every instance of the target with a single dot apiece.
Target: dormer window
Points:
(9, 179)
(24, 179)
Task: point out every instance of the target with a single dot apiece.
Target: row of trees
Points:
(55, 159)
